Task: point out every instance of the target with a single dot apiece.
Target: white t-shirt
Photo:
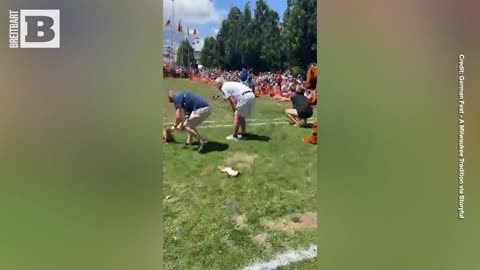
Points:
(234, 89)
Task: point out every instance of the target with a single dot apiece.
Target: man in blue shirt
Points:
(244, 76)
(195, 110)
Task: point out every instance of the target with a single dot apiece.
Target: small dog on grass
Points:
(167, 135)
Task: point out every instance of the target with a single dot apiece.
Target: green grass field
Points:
(212, 221)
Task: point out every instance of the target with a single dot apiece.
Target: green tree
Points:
(248, 48)
(261, 41)
(266, 28)
(209, 57)
(271, 52)
(299, 32)
(185, 54)
(232, 38)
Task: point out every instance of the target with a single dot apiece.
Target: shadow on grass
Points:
(309, 125)
(214, 147)
(211, 146)
(255, 137)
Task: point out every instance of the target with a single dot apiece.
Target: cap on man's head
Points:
(171, 95)
(220, 80)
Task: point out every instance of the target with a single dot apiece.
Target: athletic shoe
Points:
(202, 144)
(232, 138)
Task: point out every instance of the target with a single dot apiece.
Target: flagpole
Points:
(173, 28)
(180, 45)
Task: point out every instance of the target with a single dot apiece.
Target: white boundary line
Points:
(230, 121)
(250, 120)
(286, 258)
(230, 125)
(250, 124)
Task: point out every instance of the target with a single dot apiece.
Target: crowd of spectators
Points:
(278, 85)
(175, 71)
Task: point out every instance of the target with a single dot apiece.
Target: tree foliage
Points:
(259, 40)
(300, 32)
(209, 57)
(185, 54)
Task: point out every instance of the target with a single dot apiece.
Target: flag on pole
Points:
(167, 24)
(180, 29)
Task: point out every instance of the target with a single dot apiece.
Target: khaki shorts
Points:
(245, 105)
(197, 117)
(292, 112)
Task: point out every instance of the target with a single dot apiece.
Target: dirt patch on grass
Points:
(240, 160)
(262, 239)
(240, 221)
(293, 223)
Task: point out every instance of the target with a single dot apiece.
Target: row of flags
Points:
(180, 29)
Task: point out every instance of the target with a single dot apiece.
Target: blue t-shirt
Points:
(244, 76)
(189, 102)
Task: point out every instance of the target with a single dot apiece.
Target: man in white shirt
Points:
(242, 99)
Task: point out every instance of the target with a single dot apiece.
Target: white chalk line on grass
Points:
(231, 120)
(249, 124)
(230, 125)
(249, 120)
(286, 258)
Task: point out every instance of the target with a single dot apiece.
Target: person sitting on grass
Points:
(276, 91)
(301, 110)
(195, 110)
(286, 96)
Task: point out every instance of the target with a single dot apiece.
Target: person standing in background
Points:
(244, 76)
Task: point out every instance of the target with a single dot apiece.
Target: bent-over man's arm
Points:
(178, 117)
(232, 103)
